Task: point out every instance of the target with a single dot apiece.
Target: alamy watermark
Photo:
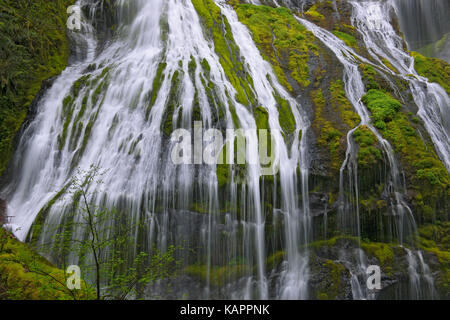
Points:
(74, 20)
(74, 279)
(374, 280)
(250, 146)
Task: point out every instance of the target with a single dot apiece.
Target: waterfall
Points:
(111, 110)
(423, 21)
(166, 72)
(404, 221)
(383, 42)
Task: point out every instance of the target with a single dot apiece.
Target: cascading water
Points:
(403, 218)
(112, 111)
(383, 42)
(294, 277)
(119, 103)
(372, 19)
(425, 22)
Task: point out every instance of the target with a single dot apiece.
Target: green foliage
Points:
(389, 65)
(382, 251)
(101, 240)
(33, 47)
(434, 69)
(286, 118)
(329, 137)
(172, 104)
(335, 270)
(157, 82)
(275, 259)
(332, 119)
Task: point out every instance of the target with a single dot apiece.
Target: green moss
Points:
(223, 174)
(347, 38)
(329, 137)
(24, 275)
(435, 239)
(314, 14)
(262, 123)
(382, 251)
(286, 118)
(368, 154)
(389, 65)
(218, 275)
(332, 273)
(220, 31)
(434, 69)
(429, 179)
(39, 221)
(167, 125)
(79, 84)
(284, 42)
(369, 76)
(342, 105)
(157, 82)
(275, 259)
(382, 106)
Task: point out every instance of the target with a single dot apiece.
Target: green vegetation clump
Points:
(286, 118)
(435, 238)
(284, 42)
(382, 251)
(314, 14)
(329, 137)
(389, 65)
(342, 105)
(157, 82)
(218, 275)
(436, 70)
(369, 76)
(33, 47)
(429, 179)
(383, 107)
(336, 270)
(368, 153)
(167, 125)
(347, 38)
(25, 275)
(275, 259)
(333, 123)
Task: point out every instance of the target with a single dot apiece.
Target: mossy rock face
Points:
(434, 241)
(428, 181)
(219, 31)
(30, 55)
(329, 279)
(25, 275)
(285, 43)
(434, 69)
(332, 258)
(217, 276)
